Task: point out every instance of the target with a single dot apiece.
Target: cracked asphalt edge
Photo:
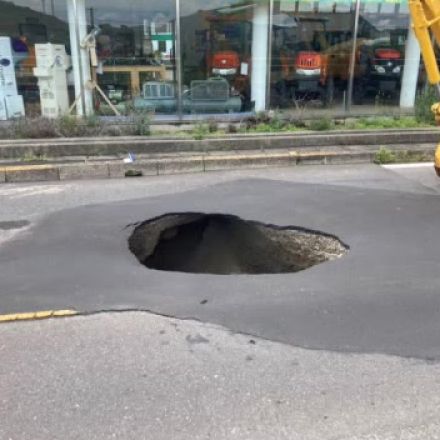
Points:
(253, 338)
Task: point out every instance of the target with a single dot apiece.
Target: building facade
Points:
(181, 58)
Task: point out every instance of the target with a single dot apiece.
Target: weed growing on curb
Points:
(323, 124)
(33, 128)
(212, 126)
(142, 122)
(200, 131)
(383, 122)
(232, 129)
(423, 104)
(386, 156)
(32, 157)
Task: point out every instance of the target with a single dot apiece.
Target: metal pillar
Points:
(349, 100)
(260, 33)
(76, 12)
(410, 71)
(178, 60)
(269, 50)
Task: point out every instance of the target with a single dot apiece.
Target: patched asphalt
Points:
(383, 296)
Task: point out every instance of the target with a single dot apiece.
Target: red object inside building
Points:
(308, 60)
(226, 60)
(387, 54)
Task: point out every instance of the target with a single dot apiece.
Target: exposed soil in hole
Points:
(225, 244)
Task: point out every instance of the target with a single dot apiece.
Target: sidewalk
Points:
(111, 146)
(27, 160)
(104, 167)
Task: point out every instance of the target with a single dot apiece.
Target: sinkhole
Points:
(224, 244)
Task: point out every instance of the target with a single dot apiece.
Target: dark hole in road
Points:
(225, 244)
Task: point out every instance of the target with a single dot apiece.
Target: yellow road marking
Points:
(27, 167)
(45, 314)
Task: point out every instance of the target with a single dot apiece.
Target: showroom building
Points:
(180, 58)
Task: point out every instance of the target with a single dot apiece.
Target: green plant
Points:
(322, 124)
(200, 131)
(73, 126)
(67, 126)
(32, 157)
(35, 128)
(212, 126)
(423, 104)
(384, 156)
(133, 173)
(263, 127)
(262, 117)
(114, 130)
(276, 123)
(414, 156)
(381, 122)
(6, 131)
(231, 128)
(93, 121)
(387, 156)
(142, 123)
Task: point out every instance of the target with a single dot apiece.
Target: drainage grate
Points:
(225, 244)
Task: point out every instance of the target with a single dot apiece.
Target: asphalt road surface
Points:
(346, 350)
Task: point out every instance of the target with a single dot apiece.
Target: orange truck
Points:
(300, 67)
(312, 64)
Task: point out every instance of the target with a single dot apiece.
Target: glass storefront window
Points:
(26, 27)
(380, 56)
(220, 55)
(135, 45)
(311, 48)
(230, 59)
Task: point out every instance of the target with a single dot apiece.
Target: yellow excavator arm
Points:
(425, 15)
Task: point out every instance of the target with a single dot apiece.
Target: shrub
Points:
(115, 131)
(6, 131)
(423, 104)
(232, 128)
(379, 122)
(200, 131)
(32, 157)
(24, 128)
(142, 123)
(322, 124)
(212, 126)
(384, 156)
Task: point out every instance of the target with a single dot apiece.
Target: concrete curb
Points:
(102, 146)
(178, 165)
(29, 173)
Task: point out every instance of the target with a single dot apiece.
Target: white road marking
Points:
(31, 191)
(397, 166)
